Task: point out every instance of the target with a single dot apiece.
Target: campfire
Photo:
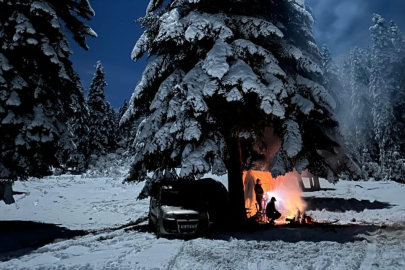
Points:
(285, 190)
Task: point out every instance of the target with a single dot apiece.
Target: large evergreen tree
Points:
(223, 72)
(39, 90)
(99, 125)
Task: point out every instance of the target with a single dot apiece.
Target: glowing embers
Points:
(297, 219)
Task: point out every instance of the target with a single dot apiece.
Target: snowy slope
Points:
(72, 201)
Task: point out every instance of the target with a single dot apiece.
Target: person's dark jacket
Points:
(259, 195)
(259, 192)
(271, 209)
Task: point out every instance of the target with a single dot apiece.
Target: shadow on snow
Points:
(317, 232)
(18, 238)
(343, 205)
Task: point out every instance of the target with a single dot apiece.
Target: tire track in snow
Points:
(173, 260)
(162, 254)
(370, 254)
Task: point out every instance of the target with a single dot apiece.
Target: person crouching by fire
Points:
(259, 193)
(271, 211)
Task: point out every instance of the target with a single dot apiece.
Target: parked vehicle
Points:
(177, 208)
(216, 197)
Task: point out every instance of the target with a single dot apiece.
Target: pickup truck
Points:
(177, 209)
(186, 208)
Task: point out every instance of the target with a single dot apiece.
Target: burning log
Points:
(308, 220)
(290, 220)
(299, 219)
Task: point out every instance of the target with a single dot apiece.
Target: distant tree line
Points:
(369, 87)
(46, 123)
(96, 130)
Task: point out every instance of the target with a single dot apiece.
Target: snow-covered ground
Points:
(390, 193)
(102, 203)
(76, 203)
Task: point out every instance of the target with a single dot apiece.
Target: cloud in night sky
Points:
(344, 24)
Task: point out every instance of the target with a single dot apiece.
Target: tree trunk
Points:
(317, 184)
(311, 182)
(235, 180)
(6, 192)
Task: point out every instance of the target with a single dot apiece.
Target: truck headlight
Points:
(168, 215)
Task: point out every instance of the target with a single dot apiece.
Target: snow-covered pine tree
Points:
(124, 130)
(223, 71)
(121, 111)
(385, 60)
(78, 158)
(399, 78)
(331, 74)
(98, 110)
(111, 128)
(399, 106)
(39, 89)
(344, 78)
(361, 107)
(339, 90)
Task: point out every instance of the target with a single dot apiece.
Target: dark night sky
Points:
(340, 24)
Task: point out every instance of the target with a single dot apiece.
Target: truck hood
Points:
(178, 210)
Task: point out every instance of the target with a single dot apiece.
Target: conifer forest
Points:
(202, 134)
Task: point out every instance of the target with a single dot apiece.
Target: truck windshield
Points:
(180, 198)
